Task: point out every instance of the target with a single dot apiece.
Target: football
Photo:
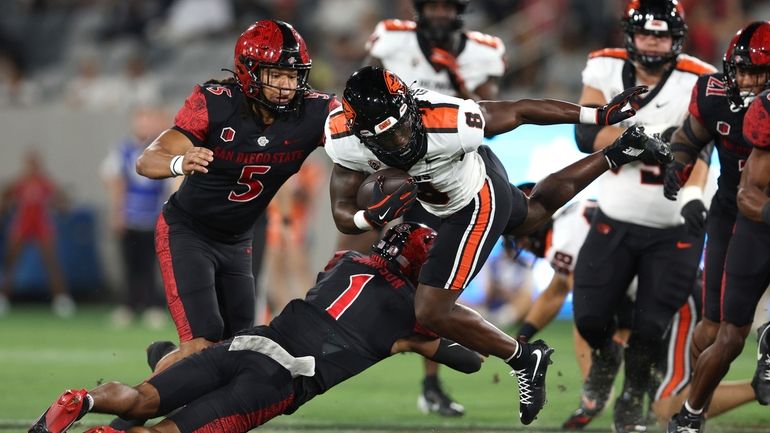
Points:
(393, 178)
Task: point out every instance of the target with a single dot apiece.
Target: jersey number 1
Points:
(343, 301)
(254, 186)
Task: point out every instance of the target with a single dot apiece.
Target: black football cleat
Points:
(531, 381)
(761, 380)
(686, 424)
(68, 408)
(580, 418)
(433, 399)
(628, 416)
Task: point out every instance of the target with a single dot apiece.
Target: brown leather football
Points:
(393, 178)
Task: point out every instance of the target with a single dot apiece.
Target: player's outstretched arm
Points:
(503, 116)
(441, 350)
(556, 189)
(173, 154)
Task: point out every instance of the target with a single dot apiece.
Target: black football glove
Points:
(634, 145)
(384, 208)
(676, 175)
(694, 213)
(611, 113)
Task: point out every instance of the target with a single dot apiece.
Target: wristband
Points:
(766, 213)
(360, 221)
(588, 115)
(690, 193)
(176, 165)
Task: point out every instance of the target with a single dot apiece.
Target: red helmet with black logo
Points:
(406, 245)
(271, 44)
(749, 50)
(658, 17)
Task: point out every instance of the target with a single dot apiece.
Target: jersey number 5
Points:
(254, 187)
(343, 301)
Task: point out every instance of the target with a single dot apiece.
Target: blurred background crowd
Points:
(84, 83)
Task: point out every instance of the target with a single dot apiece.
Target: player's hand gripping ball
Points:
(385, 195)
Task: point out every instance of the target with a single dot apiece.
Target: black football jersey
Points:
(251, 161)
(709, 104)
(756, 124)
(348, 321)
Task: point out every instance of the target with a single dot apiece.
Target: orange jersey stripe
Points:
(473, 244)
(441, 116)
(399, 25)
(484, 39)
(694, 66)
(682, 330)
(338, 125)
(618, 53)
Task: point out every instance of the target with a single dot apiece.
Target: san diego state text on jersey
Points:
(251, 161)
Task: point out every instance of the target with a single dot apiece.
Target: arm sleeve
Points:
(192, 119)
(756, 122)
(457, 357)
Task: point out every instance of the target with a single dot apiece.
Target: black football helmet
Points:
(439, 32)
(271, 44)
(749, 50)
(382, 113)
(658, 17)
(406, 246)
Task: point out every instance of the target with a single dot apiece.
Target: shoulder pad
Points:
(338, 125)
(484, 39)
(616, 53)
(399, 25)
(693, 65)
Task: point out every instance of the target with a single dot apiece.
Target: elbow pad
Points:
(585, 135)
(457, 357)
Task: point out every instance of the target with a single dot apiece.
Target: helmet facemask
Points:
(399, 142)
(256, 85)
(439, 31)
(406, 247)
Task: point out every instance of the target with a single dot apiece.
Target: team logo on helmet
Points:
(393, 83)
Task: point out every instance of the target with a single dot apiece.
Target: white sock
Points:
(691, 410)
(90, 402)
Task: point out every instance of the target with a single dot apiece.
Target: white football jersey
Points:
(570, 229)
(451, 168)
(395, 44)
(634, 193)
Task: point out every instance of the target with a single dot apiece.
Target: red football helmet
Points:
(749, 50)
(406, 245)
(271, 44)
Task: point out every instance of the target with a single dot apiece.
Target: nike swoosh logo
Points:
(761, 339)
(658, 105)
(683, 245)
(430, 160)
(539, 354)
(454, 344)
(384, 214)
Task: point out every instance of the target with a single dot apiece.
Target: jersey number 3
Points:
(254, 187)
(343, 301)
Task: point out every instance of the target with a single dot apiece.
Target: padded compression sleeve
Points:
(457, 357)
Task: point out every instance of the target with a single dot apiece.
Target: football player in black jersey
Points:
(236, 142)
(360, 311)
(717, 110)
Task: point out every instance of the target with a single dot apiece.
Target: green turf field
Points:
(42, 355)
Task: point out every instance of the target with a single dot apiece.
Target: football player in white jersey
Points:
(437, 140)
(437, 54)
(635, 232)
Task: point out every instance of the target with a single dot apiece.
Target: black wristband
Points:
(457, 357)
(766, 213)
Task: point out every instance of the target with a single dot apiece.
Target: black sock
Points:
(520, 358)
(430, 382)
(527, 331)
